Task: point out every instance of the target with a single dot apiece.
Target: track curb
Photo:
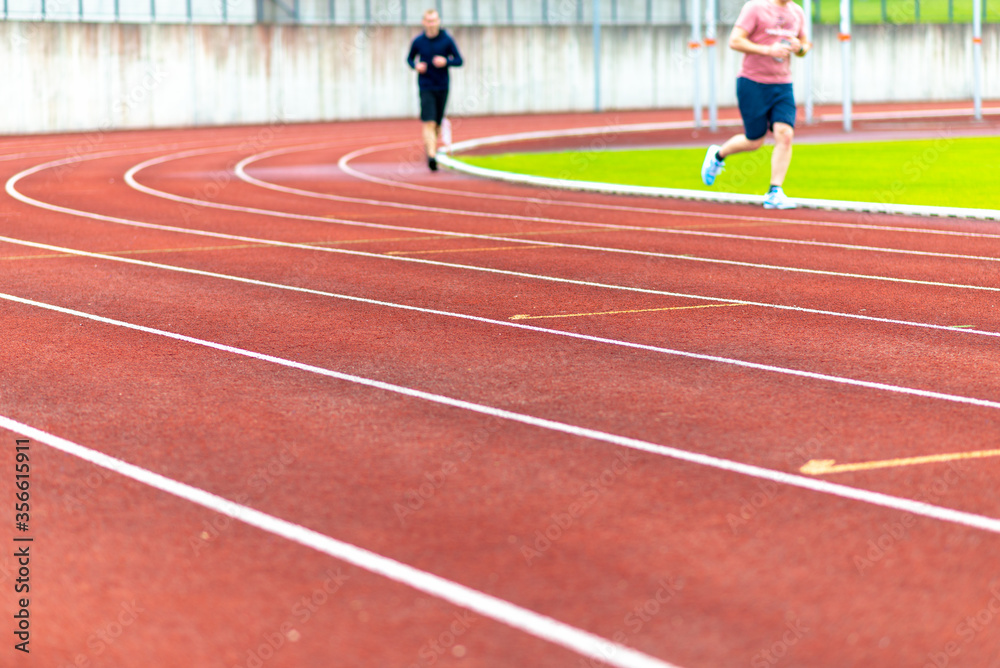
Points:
(447, 159)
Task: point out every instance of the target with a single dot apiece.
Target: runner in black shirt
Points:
(431, 54)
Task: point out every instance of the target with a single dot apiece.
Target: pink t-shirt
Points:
(767, 22)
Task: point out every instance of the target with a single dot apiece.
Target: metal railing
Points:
(467, 12)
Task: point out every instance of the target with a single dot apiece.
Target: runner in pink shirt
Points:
(768, 32)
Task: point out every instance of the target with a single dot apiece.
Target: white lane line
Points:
(727, 361)
(982, 522)
(12, 190)
(242, 174)
(541, 330)
(344, 165)
(715, 197)
(722, 197)
(130, 178)
(532, 623)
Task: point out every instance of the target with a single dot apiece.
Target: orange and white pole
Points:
(808, 7)
(845, 58)
(710, 55)
(977, 58)
(695, 46)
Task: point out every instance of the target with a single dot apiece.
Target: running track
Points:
(282, 413)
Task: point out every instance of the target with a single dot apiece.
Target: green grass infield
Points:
(904, 11)
(952, 172)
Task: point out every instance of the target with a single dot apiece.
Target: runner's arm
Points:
(739, 40)
(454, 57)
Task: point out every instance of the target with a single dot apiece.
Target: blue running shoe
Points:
(711, 167)
(777, 199)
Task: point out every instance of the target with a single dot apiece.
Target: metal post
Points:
(545, 11)
(808, 64)
(510, 11)
(977, 58)
(597, 55)
(710, 34)
(475, 10)
(845, 59)
(368, 12)
(695, 46)
(649, 12)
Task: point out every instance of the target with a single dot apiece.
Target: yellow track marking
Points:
(463, 250)
(638, 310)
(42, 256)
(828, 466)
(131, 252)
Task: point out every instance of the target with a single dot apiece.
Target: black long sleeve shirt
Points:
(435, 78)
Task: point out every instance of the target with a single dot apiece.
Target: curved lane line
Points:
(12, 190)
(130, 178)
(242, 174)
(986, 403)
(344, 165)
(972, 520)
(447, 160)
(532, 623)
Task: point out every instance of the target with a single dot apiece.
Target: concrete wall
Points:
(72, 76)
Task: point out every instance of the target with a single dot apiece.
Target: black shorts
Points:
(763, 105)
(432, 105)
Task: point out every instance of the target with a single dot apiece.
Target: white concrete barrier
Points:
(90, 76)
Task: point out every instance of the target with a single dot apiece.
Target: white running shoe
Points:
(711, 167)
(777, 199)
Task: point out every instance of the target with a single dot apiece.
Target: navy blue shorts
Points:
(432, 105)
(763, 105)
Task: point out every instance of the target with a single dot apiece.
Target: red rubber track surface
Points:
(818, 335)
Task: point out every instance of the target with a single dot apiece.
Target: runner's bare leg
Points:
(782, 155)
(432, 132)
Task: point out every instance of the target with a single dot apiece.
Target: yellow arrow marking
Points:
(640, 310)
(828, 466)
